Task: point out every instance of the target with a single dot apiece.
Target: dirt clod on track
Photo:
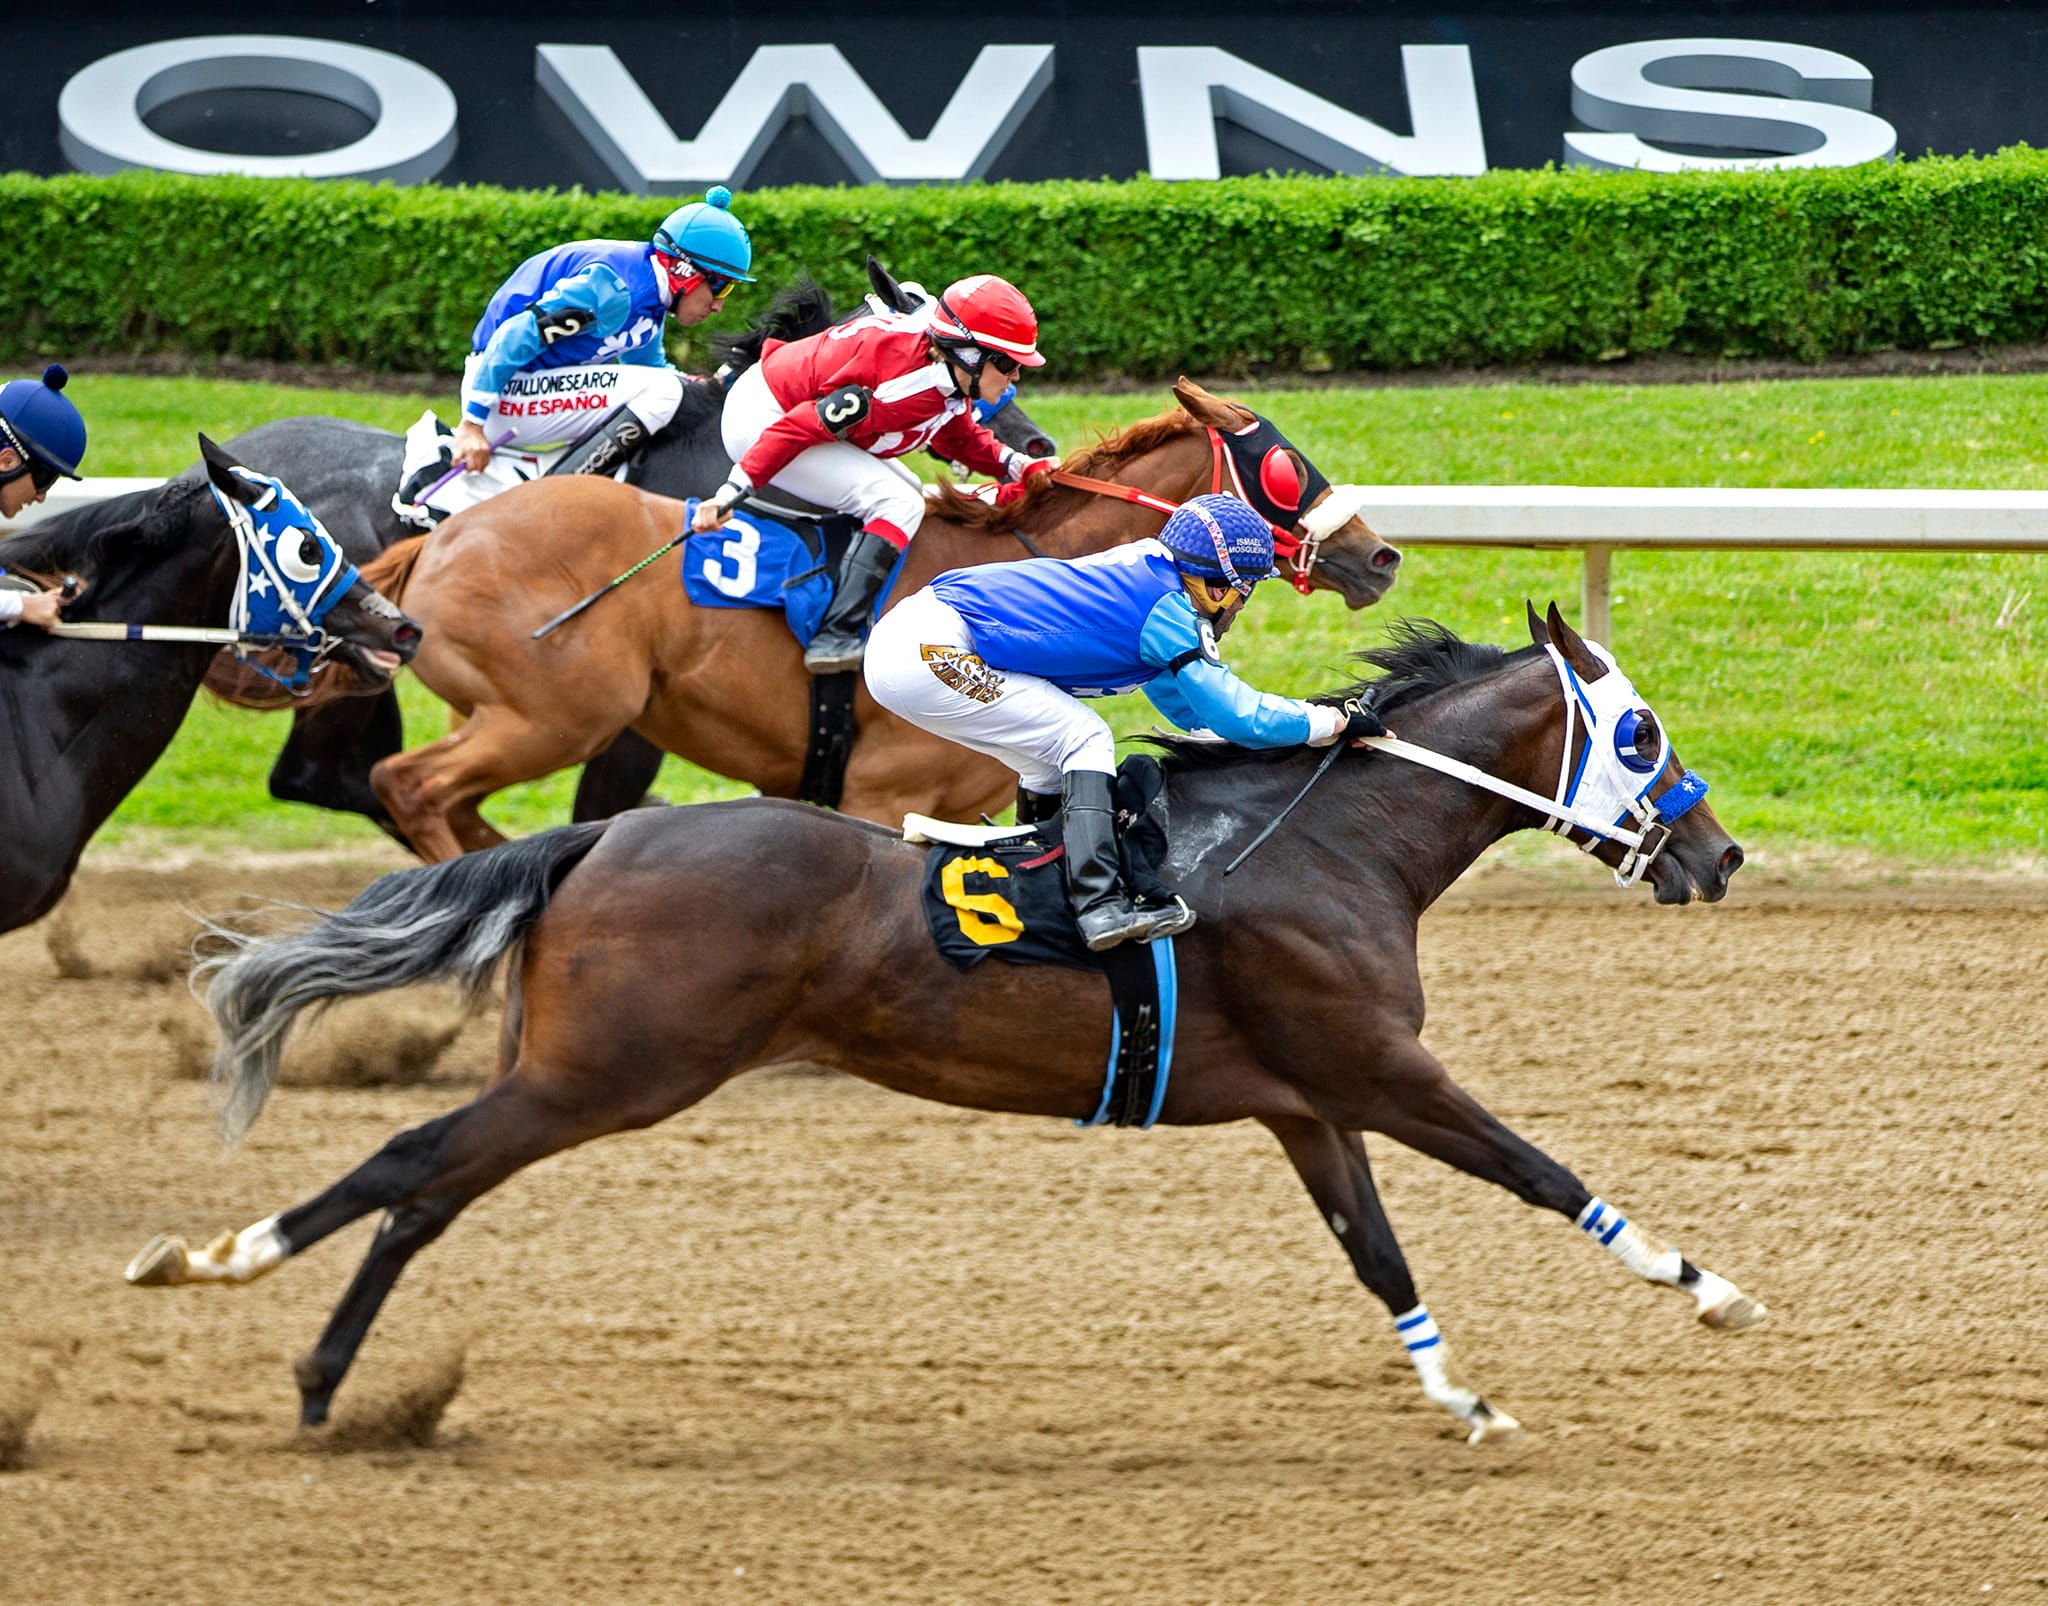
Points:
(813, 1342)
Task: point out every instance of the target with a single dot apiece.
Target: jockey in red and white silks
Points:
(820, 418)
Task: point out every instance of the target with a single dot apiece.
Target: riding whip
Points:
(1273, 824)
(459, 468)
(610, 586)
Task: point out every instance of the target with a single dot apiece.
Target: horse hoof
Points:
(1496, 1427)
(160, 1265)
(1734, 1313)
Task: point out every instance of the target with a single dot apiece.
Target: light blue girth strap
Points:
(1168, 974)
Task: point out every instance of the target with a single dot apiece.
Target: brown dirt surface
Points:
(814, 1342)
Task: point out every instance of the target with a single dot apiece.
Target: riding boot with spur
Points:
(1103, 909)
(842, 633)
(607, 450)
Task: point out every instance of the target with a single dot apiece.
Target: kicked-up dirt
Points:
(814, 1342)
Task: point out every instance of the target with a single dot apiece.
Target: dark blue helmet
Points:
(41, 423)
(1220, 538)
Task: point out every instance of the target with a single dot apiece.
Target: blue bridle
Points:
(293, 573)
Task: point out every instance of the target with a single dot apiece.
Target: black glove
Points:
(1360, 720)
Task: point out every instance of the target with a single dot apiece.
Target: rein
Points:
(1293, 550)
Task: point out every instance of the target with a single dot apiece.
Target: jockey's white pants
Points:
(546, 408)
(545, 412)
(921, 665)
(875, 490)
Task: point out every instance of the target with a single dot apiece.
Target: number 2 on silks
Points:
(743, 547)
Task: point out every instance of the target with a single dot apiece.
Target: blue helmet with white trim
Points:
(42, 423)
(1220, 538)
(708, 235)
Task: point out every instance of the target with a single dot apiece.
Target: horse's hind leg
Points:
(1422, 1107)
(326, 760)
(1333, 1165)
(618, 778)
(434, 791)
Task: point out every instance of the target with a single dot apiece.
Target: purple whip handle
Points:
(457, 469)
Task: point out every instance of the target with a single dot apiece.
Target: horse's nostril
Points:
(405, 637)
(1386, 558)
(1731, 861)
(1040, 446)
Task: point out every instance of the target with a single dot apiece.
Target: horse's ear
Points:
(220, 468)
(1573, 646)
(1539, 632)
(1228, 416)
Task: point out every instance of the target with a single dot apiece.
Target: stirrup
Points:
(832, 656)
(1120, 921)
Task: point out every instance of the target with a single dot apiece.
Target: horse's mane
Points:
(802, 309)
(1109, 453)
(143, 522)
(1420, 657)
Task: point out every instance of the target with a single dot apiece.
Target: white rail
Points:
(1601, 520)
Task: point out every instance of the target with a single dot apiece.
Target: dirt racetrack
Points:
(813, 1342)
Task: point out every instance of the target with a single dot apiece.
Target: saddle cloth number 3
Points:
(743, 548)
(987, 919)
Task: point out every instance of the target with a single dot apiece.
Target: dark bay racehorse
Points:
(346, 472)
(84, 720)
(725, 688)
(662, 954)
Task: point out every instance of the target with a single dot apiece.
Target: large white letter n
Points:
(1185, 88)
(782, 82)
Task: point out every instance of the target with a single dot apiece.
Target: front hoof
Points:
(160, 1265)
(1735, 1312)
(1495, 1427)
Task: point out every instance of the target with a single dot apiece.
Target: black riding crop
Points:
(1273, 825)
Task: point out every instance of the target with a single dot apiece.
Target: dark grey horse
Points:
(346, 472)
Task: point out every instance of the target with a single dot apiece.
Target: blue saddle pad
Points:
(757, 562)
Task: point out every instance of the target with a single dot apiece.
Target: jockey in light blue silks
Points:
(42, 439)
(998, 657)
(567, 372)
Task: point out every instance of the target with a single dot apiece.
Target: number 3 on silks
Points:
(743, 546)
(986, 918)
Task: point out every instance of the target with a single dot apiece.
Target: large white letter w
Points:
(782, 82)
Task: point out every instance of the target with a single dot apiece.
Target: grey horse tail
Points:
(441, 922)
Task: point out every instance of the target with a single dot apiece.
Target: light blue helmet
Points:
(709, 235)
(1220, 538)
(41, 423)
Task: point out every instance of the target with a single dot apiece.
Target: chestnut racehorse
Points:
(725, 688)
(663, 953)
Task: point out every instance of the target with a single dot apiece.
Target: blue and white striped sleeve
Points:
(1197, 692)
(594, 300)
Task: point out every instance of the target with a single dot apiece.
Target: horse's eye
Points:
(298, 554)
(1637, 741)
(1646, 738)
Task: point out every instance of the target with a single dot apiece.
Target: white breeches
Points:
(921, 665)
(873, 489)
(546, 408)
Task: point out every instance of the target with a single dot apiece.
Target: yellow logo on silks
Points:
(987, 919)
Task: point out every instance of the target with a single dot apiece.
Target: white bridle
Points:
(1600, 791)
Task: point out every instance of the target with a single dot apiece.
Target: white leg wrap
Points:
(1443, 1384)
(233, 1257)
(1629, 1244)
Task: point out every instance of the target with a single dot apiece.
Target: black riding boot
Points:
(607, 450)
(1095, 884)
(842, 635)
(1035, 807)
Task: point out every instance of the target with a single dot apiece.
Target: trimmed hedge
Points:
(1142, 278)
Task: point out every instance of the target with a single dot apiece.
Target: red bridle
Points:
(1287, 545)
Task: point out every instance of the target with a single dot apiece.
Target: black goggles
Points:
(40, 474)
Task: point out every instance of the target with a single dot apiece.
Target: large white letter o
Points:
(100, 114)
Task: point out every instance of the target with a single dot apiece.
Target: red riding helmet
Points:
(991, 313)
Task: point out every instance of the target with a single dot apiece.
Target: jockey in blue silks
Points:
(569, 352)
(998, 658)
(42, 439)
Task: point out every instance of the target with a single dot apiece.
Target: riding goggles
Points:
(40, 474)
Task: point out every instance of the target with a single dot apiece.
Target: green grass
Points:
(1847, 705)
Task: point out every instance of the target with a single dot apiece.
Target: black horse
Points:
(346, 472)
(661, 954)
(84, 720)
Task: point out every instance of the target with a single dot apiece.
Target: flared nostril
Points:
(406, 637)
(1387, 559)
(1731, 861)
(1041, 446)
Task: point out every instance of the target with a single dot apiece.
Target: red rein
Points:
(1286, 544)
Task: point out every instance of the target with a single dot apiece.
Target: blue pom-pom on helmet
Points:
(42, 423)
(1220, 538)
(709, 236)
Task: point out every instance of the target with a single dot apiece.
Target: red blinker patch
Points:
(1280, 479)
